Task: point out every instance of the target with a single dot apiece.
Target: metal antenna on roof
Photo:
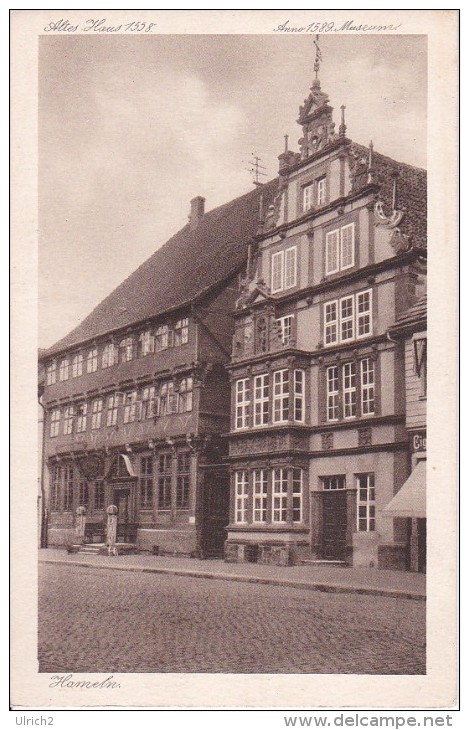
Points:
(255, 168)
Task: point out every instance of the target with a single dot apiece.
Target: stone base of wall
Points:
(60, 536)
(266, 553)
(167, 542)
(365, 549)
(393, 556)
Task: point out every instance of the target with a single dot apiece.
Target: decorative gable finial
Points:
(343, 127)
(318, 59)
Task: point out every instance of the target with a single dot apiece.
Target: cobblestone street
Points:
(114, 621)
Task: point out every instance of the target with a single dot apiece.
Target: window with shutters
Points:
(96, 413)
(54, 422)
(126, 349)
(162, 337)
(149, 402)
(181, 332)
(51, 373)
(340, 249)
(284, 270)
(63, 370)
(185, 395)
(92, 360)
(147, 343)
(109, 356)
(112, 407)
(130, 407)
(69, 417)
(82, 411)
(77, 365)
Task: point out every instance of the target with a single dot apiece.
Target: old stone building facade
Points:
(253, 404)
(137, 396)
(318, 441)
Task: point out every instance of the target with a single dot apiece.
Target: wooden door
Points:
(334, 525)
(215, 513)
(122, 502)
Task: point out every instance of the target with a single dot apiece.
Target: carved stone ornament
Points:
(364, 436)
(91, 467)
(327, 440)
(381, 219)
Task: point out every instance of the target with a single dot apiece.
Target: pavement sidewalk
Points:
(368, 581)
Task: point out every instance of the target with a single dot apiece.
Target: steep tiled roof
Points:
(415, 318)
(411, 191)
(190, 263)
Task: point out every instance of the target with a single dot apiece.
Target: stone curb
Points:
(322, 587)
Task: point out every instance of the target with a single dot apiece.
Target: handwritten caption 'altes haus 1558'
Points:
(98, 26)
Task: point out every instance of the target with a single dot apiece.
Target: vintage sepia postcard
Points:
(234, 250)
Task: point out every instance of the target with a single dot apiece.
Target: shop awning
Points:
(128, 465)
(410, 499)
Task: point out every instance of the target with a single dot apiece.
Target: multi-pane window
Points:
(340, 249)
(146, 482)
(164, 482)
(149, 402)
(183, 480)
(241, 496)
(96, 413)
(367, 373)
(261, 399)
(162, 337)
(181, 332)
(297, 495)
(82, 410)
(185, 395)
(242, 403)
(279, 495)
(112, 406)
(69, 416)
(63, 370)
(333, 483)
(321, 191)
(77, 365)
(83, 494)
(259, 503)
(55, 422)
(168, 399)
(126, 349)
(286, 328)
(308, 197)
(284, 269)
(92, 360)
(348, 318)
(99, 494)
(109, 357)
(299, 396)
(68, 488)
(54, 497)
(281, 396)
(365, 502)
(363, 308)
(147, 343)
(353, 384)
(130, 406)
(51, 373)
(349, 389)
(332, 378)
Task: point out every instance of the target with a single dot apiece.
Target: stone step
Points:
(122, 548)
(324, 563)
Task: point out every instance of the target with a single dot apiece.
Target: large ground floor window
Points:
(269, 495)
